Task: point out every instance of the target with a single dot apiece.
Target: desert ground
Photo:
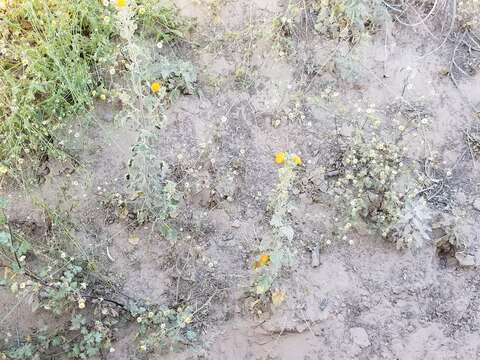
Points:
(298, 187)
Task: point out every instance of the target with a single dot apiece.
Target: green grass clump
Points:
(50, 50)
(160, 21)
(348, 19)
(53, 56)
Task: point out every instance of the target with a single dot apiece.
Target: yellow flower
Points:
(155, 86)
(121, 3)
(280, 157)
(262, 260)
(297, 159)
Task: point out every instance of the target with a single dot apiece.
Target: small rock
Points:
(133, 239)
(461, 198)
(346, 130)
(465, 259)
(316, 257)
(323, 187)
(476, 204)
(236, 224)
(359, 337)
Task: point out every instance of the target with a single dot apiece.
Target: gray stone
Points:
(359, 337)
(236, 224)
(476, 204)
(465, 259)
(316, 257)
(461, 198)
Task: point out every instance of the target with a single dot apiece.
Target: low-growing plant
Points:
(152, 81)
(452, 233)
(61, 287)
(472, 138)
(293, 113)
(370, 170)
(276, 252)
(69, 288)
(414, 225)
(164, 329)
(374, 195)
(155, 197)
(282, 31)
(467, 17)
(160, 20)
(348, 19)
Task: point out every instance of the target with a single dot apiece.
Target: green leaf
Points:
(23, 248)
(191, 335)
(169, 233)
(77, 322)
(263, 284)
(4, 239)
(276, 220)
(287, 231)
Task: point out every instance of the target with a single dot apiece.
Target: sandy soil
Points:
(366, 299)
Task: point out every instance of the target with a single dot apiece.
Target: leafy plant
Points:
(93, 337)
(348, 19)
(414, 225)
(164, 329)
(282, 31)
(472, 138)
(160, 20)
(68, 287)
(151, 80)
(49, 49)
(156, 198)
(467, 18)
(14, 248)
(452, 233)
(60, 294)
(369, 185)
(276, 251)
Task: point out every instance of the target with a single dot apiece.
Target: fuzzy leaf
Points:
(263, 285)
(4, 238)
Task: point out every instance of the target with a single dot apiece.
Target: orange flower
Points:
(121, 3)
(263, 259)
(280, 157)
(297, 159)
(155, 87)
